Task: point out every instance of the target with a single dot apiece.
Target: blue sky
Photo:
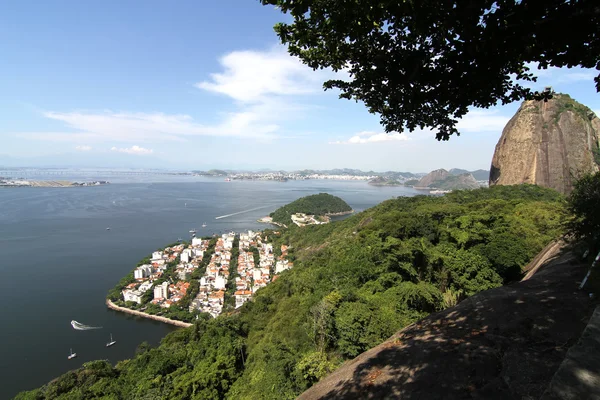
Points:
(196, 85)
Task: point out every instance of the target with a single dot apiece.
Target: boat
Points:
(179, 240)
(192, 231)
(72, 355)
(204, 225)
(111, 341)
(108, 229)
(228, 180)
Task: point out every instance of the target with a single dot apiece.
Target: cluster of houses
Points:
(211, 296)
(214, 283)
(166, 294)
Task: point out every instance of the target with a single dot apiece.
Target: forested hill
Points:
(354, 283)
(316, 204)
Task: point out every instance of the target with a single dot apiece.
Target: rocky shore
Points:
(115, 307)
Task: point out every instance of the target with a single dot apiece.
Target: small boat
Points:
(228, 180)
(72, 355)
(108, 229)
(192, 231)
(204, 225)
(179, 240)
(111, 341)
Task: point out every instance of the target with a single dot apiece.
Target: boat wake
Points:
(83, 327)
(241, 212)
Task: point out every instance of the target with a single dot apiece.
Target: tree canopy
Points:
(423, 63)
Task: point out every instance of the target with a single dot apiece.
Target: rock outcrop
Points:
(549, 144)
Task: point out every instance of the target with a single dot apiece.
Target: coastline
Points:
(158, 318)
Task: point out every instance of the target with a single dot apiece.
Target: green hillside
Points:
(354, 283)
(316, 204)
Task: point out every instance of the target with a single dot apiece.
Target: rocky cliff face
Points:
(433, 176)
(548, 144)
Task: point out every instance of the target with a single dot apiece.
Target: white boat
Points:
(108, 229)
(204, 225)
(192, 231)
(72, 355)
(111, 341)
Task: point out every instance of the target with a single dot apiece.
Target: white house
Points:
(144, 287)
(242, 296)
(196, 242)
(220, 282)
(157, 255)
(198, 253)
(143, 271)
(281, 266)
(133, 295)
(186, 256)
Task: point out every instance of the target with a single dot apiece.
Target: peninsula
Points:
(208, 275)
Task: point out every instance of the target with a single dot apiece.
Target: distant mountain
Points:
(479, 175)
(442, 179)
(458, 171)
(433, 177)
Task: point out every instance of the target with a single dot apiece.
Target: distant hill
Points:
(433, 177)
(316, 204)
(442, 179)
(479, 175)
(381, 181)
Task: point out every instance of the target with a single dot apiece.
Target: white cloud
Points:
(133, 150)
(253, 76)
(83, 148)
(554, 75)
(261, 83)
(482, 121)
(373, 137)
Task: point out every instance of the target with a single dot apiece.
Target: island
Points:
(309, 210)
(209, 275)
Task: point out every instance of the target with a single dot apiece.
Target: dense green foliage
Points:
(354, 283)
(316, 204)
(584, 205)
(424, 63)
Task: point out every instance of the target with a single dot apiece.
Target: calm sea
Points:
(58, 260)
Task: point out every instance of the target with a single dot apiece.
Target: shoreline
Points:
(158, 318)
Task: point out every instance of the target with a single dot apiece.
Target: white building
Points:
(157, 255)
(143, 271)
(186, 256)
(144, 287)
(281, 266)
(133, 295)
(220, 282)
(161, 291)
(196, 242)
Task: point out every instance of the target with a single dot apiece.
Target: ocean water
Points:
(58, 260)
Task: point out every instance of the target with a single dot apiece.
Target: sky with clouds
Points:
(198, 85)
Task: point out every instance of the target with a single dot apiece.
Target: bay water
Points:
(58, 260)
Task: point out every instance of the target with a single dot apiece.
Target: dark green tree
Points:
(423, 63)
(584, 205)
